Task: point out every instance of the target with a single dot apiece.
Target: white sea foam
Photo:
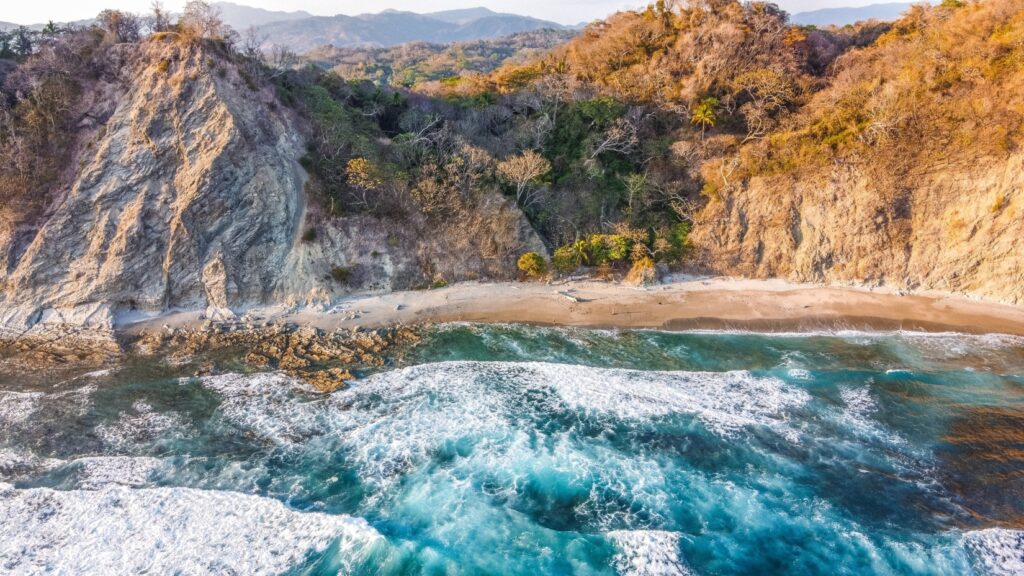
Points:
(393, 422)
(118, 530)
(466, 397)
(17, 407)
(98, 374)
(858, 417)
(858, 401)
(15, 464)
(271, 405)
(724, 401)
(141, 425)
(648, 553)
(99, 471)
(997, 551)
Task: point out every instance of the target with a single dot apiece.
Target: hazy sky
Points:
(565, 11)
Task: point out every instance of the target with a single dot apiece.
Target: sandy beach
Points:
(685, 304)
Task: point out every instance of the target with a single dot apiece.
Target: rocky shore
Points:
(326, 360)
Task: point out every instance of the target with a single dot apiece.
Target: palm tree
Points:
(580, 251)
(704, 114)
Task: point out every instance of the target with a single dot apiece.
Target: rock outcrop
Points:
(956, 229)
(189, 195)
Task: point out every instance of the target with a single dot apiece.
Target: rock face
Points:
(190, 195)
(953, 229)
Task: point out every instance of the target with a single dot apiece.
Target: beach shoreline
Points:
(685, 304)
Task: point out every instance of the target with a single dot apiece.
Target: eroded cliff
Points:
(187, 192)
(956, 229)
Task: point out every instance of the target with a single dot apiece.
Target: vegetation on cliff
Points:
(641, 141)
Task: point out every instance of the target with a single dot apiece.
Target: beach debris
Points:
(574, 299)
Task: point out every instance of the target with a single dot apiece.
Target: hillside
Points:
(392, 28)
(172, 177)
(176, 172)
(877, 154)
(411, 64)
(905, 170)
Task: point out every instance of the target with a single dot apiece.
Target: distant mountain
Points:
(392, 27)
(844, 16)
(465, 15)
(242, 17)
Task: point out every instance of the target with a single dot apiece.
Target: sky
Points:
(564, 11)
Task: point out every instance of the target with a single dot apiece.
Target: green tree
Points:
(704, 114)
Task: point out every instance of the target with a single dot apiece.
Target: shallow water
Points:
(518, 450)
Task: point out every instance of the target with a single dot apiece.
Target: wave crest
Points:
(117, 530)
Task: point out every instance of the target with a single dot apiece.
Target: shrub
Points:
(533, 265)
(642, 273)
(998, 205)
(680, 242)
(618, 247)
(340, 274)
(565, 260)
(597, 250)
(309, 235)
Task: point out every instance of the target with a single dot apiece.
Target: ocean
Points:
(524, 450)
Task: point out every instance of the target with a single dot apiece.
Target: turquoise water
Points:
(513, 450)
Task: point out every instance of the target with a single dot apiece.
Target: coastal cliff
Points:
(958, 229)
(186, 192)
(177, 172)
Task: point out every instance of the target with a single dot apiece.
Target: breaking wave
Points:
(117, 530)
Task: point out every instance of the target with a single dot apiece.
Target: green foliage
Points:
(601, 111)
(704, 114)
(340, 274)
(533, 265)
(309, 235)
(595, 250)
(680, 242)
(345, 156)
(565, 260)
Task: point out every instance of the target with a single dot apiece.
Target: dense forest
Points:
(615, 144)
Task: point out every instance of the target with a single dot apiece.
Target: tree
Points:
(636, 189)
(523, 172)
(202, 20)
(120, 26)
(22, 43)
(367, 178)
(704, 114)
(623, 137)
(281, 60)
(769, 93)
(159, 19)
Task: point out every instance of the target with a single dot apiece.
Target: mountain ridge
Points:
(845, 15)
(393, 27)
